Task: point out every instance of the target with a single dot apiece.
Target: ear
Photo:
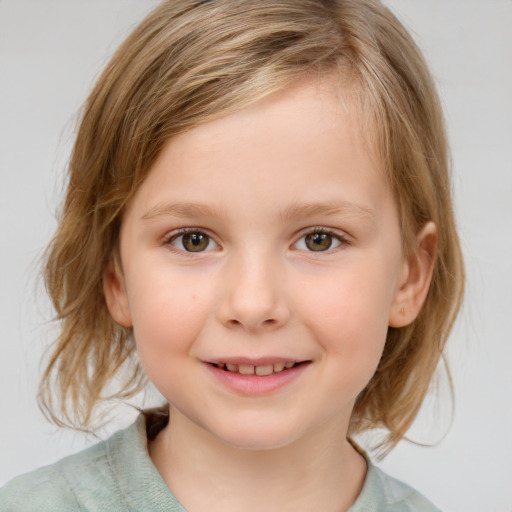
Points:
(114, 290)
(415, 278)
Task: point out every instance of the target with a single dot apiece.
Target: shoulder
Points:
(67, 485)
(397, 493)
(116, 474)
(383, 493)
(44, 489)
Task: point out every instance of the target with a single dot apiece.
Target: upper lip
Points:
(258, 361)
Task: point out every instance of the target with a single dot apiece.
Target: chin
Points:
(258, 437)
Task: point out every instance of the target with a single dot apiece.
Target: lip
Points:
(255, 385)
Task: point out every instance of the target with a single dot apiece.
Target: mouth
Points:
(259, 370)
(256, 376)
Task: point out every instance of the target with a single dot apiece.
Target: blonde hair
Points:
(192, 61)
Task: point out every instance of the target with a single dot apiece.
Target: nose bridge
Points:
(254, 297)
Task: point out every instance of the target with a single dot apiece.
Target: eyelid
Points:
(341, 236)
(172, 235)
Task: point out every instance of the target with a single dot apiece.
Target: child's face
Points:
(264, 238)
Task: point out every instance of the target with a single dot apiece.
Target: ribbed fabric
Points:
(117, 475)
(382, 493)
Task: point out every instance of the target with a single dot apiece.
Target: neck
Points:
(321, 471)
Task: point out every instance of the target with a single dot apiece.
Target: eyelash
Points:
(187, 231)
(342, 239)
(312, 231)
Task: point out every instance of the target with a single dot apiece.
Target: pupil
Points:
(318, 241)
(195, 242)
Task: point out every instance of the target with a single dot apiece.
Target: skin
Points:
(256, 183)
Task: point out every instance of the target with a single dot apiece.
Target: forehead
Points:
(308, 134)
(306, 110)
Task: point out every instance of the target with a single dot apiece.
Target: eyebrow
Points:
(294, 211)
(334, 207)
(184, 210)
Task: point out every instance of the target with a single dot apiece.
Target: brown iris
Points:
(318, 241)
(195, 242)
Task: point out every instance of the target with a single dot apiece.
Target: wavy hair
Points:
(192, 61)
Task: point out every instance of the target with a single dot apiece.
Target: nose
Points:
(254, 298)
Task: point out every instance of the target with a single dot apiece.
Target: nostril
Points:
(269, 322)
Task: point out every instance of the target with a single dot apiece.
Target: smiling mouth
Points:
(261, 370)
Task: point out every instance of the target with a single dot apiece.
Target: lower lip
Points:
(255, 385)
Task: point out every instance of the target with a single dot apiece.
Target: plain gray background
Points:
(50, 53)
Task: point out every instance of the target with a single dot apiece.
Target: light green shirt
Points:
(117, 475)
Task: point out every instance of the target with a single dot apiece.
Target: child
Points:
(258, 220)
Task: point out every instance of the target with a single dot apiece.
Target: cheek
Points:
(354, 303)
(348, 315)
(168, 315)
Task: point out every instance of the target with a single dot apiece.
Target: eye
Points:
(192, 241)
(320, 240)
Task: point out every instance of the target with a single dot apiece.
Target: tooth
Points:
(219, 365)
(289, 365)
(278, 367)
(232, 367)
(264, 370)
(246, 369)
